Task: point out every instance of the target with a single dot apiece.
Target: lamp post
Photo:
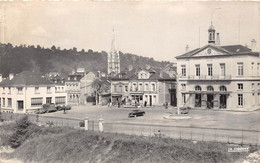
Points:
(178, 105)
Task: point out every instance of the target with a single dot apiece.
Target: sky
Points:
(152, 29)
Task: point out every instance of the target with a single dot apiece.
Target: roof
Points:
(26, 78)
(230, 50)
(155, 74)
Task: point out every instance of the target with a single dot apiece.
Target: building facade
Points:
(219, 77)
(113, 59)
(27, 92)
(144, 87)
(78, 86)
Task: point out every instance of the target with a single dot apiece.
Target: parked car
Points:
(136, 113)
(40, 111)
(185, 110)
(49, 107)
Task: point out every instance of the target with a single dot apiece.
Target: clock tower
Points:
(211, 34)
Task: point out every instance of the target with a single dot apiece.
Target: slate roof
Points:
(156, 74)
(26, 78)
(228, 50)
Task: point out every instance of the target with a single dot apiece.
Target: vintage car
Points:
(136, 113)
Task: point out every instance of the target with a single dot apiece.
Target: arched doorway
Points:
(210, 97)
(197, 96)
(223, 97)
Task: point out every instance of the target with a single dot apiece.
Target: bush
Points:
(20, 133)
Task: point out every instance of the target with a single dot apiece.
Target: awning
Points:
(208, 92)
(137, 93)
(116, 95)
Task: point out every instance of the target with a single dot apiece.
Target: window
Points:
(60, 100)
(222, 69)
(240, 70)
(197, 67)
(48, 89)
(223, 88)
(240, 99)
(253, 86)
(209, 69)
(36, 101)
(9, 104)
(140, 86)
(240, 86)
(3, 101)
(183, 87)
(9, 90)
(36, 90)
(183, 70)
(3, 90)
(197, 88)
(210, 88)
(134, 87)
(146, 86)
(126, 88)
(258, 86)
(153, 87)
(252, 68)
(183, 98)
(258, 72)
(48, 100)
(20, 90)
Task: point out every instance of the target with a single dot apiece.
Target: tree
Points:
(96, 86)
(53, 48)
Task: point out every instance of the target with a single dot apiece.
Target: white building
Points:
(219, 77)
(27, 92)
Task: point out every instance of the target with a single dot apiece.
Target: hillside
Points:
(14, 59)
(32, 143)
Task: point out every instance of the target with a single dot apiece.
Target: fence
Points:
(176, 132)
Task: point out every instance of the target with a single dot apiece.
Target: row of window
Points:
(135, 87)
(221, 88)
(39, 101)
(9, 102)
(209, 88)
(240, 69)
(240, 101)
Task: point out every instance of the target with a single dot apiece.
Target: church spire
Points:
(113, 57)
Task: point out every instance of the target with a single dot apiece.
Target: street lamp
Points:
(177, 79)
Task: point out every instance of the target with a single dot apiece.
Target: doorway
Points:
(20, 105)
(197, 100)
(210, 98)
(223, 101)
(173, 100)
(151, 100)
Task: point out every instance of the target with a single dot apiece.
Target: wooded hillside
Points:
(15, 59)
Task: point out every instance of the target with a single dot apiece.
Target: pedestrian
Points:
(118, 104)
(135, 103)
(145, 103)
(166, 105)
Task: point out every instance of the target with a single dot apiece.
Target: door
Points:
(151, 100)
(173, 100)
(209, 101)
(20, 105)
(48, 100)
(223, 101)
(197, 100)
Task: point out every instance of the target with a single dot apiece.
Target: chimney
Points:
(187, 48)
(11, 76)
(218, 40)
(1, 78)
(253, 45)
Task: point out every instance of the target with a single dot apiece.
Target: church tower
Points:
(211, 34)
(113, 60)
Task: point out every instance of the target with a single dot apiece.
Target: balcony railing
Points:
(205, 77)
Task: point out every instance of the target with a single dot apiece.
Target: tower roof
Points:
(211, 27)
